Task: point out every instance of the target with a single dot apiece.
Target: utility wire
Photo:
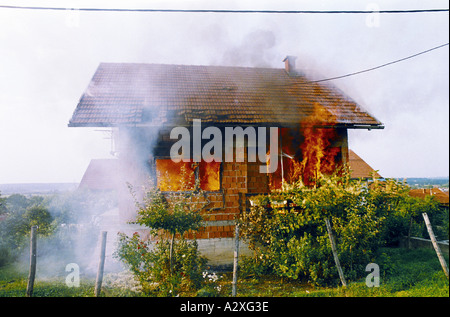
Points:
(227, 11)
(259, 11)
(383, 65)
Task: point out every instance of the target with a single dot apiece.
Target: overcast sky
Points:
(47, 59)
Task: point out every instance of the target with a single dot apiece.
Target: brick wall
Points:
(224, 206)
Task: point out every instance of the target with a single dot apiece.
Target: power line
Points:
(259, 11)
(228, 11)
(383, 65)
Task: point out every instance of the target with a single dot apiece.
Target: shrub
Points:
(292, 239)
(173, 264)
(150, 264)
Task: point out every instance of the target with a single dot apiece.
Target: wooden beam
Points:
(235, 260)
(32, 271)
(101, 264)
(435, 244)
(335, 255)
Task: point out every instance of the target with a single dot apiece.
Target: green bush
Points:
(291, 239)
(173, 264)
(4, 254)
(151, 264)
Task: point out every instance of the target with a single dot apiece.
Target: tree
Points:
(172, 215)
(38, 216)
(17, 202)
(3, 209)
(172, 261)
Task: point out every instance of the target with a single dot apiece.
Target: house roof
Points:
(158, 94)
(101, 174)
(440, 195)
(359, 168)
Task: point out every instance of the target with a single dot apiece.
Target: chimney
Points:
(289, 64)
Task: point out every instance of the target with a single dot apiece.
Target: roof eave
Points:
(281, 124)
(91, 125)
(370, 126)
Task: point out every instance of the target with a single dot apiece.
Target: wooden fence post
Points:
(235, 260)
(335, 255)
(32, 272)
(101, 264)
(435, 244)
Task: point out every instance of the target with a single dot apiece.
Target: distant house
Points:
(142, 103)
(359, 168)
(440, 195)
(101, 174)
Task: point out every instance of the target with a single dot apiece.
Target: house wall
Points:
(216, 237)
(342, 142)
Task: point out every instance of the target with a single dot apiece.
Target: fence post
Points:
(235, 259)
(101, 264)
(435, 244)
(32, 272)
(335, 255)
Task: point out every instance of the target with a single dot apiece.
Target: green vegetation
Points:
(54, 216)
(285, 230)
(173, 266)
(403, 273)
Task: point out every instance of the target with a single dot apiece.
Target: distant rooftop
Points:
(359, 168)
(440, 195)
(101, 174)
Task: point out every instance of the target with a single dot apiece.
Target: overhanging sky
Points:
(47, 59)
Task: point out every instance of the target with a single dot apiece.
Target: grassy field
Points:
(403, 273)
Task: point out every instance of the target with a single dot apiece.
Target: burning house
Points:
(283, 127)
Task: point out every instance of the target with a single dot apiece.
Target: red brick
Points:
(229, 204)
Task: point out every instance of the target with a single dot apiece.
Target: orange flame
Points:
(306, 153)
(180, 176)
(173, 176)
(209, 175)
(318, 157)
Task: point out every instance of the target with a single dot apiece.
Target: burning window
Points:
(307, 152)
(182, 176)
(209, 175)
